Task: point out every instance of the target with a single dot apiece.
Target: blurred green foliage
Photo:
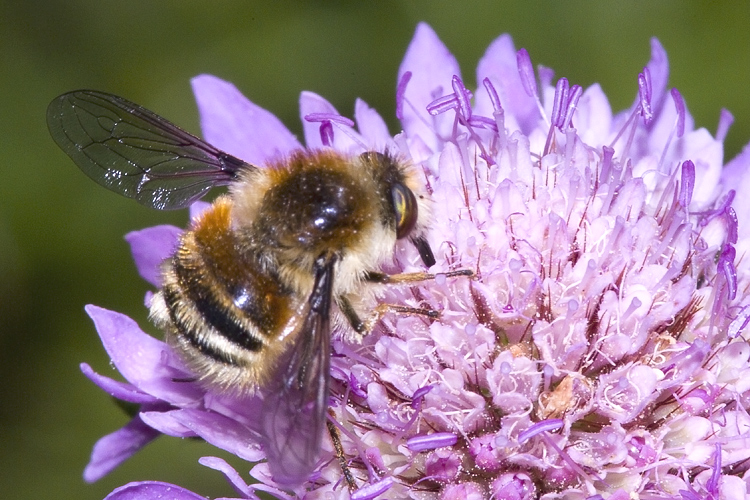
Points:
(61, 235)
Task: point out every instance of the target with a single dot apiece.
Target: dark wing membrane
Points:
(135, 152)
(295, 406)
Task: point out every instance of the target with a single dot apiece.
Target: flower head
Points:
(598, 353)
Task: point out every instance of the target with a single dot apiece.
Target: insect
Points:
(249, 295)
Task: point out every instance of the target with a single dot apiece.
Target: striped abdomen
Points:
(221, 308)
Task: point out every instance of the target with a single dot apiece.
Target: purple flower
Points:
(600, 351)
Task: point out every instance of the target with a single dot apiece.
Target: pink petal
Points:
(150, 247)
(232, 476)
(345, 139)
(222, 432)
(658, 66)
(145, 490)
(372, 126)
(708, 155)
(593, 118)
(499, 64)
(432, 67)
(164, 422)
(197, 209)
(113, 449)
(115, 388)
(145, 362)
(234, 124)
(736, 175)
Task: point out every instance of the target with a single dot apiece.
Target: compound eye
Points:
(405, 204)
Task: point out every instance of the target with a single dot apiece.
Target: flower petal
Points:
(234, 124)
(145, 362)
(499, 64)
(197, 209)
(232, 476)
(658, 66)
(115, 388)
(372, 126)
(156, 490)
(150, 247)
(113, 449)
(164, 422)
(222, 432)
(736, 175)
(593, 118)
(432, 68)
(345, 139)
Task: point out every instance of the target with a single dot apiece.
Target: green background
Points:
(61, 242)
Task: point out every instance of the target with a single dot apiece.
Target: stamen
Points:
(647, 80)
(644, 93)
(459, 99)
(634, 305)
(431, 441)
(561, 99)
(607, 155)
(418, 396)
(731, 218)
(679, 127)
(687, 183)
(462, 95)
(329, 117)
(526, 70)
(726, 266)
(739, 323)
(494, 98)
(544, 426)
(725, 121)
(679, 105)
(373, 490)
(442, 104)
(326, 124)
(400, 92)
(326, 133)
(712, 485)
(573, 96)
(483, 122)
(499, 113)
(722, 205)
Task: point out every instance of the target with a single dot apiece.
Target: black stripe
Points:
(173, 300)
(199, 301)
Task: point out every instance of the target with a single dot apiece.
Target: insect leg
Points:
(343, 463)
(366, 326)
(396, 279)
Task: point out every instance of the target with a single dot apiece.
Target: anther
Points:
(326, 121)
(494, 98)
(462, 96)
(561, 99)
(644, 94)
(544, 426)
(607, 155)
(526, 70)
(687, 183)
(679, 105)
(431, 441)
(400, 92)
(726, 266)
(574, 94)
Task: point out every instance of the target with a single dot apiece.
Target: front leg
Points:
(401, 278)
(366, 326)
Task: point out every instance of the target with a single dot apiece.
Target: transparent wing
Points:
(294, 409)
(135, 152)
